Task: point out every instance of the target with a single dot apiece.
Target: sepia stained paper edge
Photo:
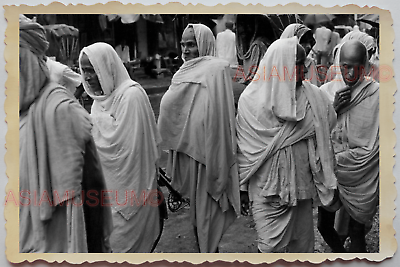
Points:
(387, 242)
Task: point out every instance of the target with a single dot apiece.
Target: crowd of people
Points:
(294, 143)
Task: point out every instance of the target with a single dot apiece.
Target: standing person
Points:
(306, 40)
(254, 35)
(285, 155)
(126, 137)
(197, 125)
(58, 161)
(226, 44)
(356, 144)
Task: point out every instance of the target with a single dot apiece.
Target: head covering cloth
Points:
(34, 73)
(124, 128)
(295, 29)
(202, 88)
(205, 39)
(274, 114)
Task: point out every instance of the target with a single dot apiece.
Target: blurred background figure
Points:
(123, 51)
(226, 44)
(254, 35)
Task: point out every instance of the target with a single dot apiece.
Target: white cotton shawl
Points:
(124, 130)
(271, 117)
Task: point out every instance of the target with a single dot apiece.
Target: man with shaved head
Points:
(356, 144)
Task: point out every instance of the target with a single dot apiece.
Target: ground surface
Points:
(240, 237)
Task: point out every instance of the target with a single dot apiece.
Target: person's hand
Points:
(244, 203)
(342, 98)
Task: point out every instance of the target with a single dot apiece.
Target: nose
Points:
(351, 72)
(185, 49)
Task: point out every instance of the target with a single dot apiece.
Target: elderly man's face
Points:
(90, 75)
(352, 64)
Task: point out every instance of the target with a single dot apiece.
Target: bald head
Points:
(353, 56)
(353, 50)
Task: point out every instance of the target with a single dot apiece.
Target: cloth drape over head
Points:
(197, 116)
(210, 97)
(33, 45)
(363, 37)
(197, 123)
(297, 29)
(204, 38)
(124, 129)
(271, 117)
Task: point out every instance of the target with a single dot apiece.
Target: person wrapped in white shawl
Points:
(126, 137)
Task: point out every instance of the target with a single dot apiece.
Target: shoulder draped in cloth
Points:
(356, 145)
(198, 116)
(197, 123)
(58, 161)
(124, 127)
(271, 117)
(126, 137)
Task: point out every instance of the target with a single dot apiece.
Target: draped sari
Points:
(198, 128)
(276, 127)
(126, 138)
(356, 144)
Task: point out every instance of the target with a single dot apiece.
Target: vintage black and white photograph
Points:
(199, 133)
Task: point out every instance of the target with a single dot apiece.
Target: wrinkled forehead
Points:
(351, 53)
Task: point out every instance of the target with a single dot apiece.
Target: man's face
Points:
(189, 45)
(90, 75)
(352, 67)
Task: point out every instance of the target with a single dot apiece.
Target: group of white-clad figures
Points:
(288, 147)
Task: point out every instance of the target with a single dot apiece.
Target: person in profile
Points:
(126, 138)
